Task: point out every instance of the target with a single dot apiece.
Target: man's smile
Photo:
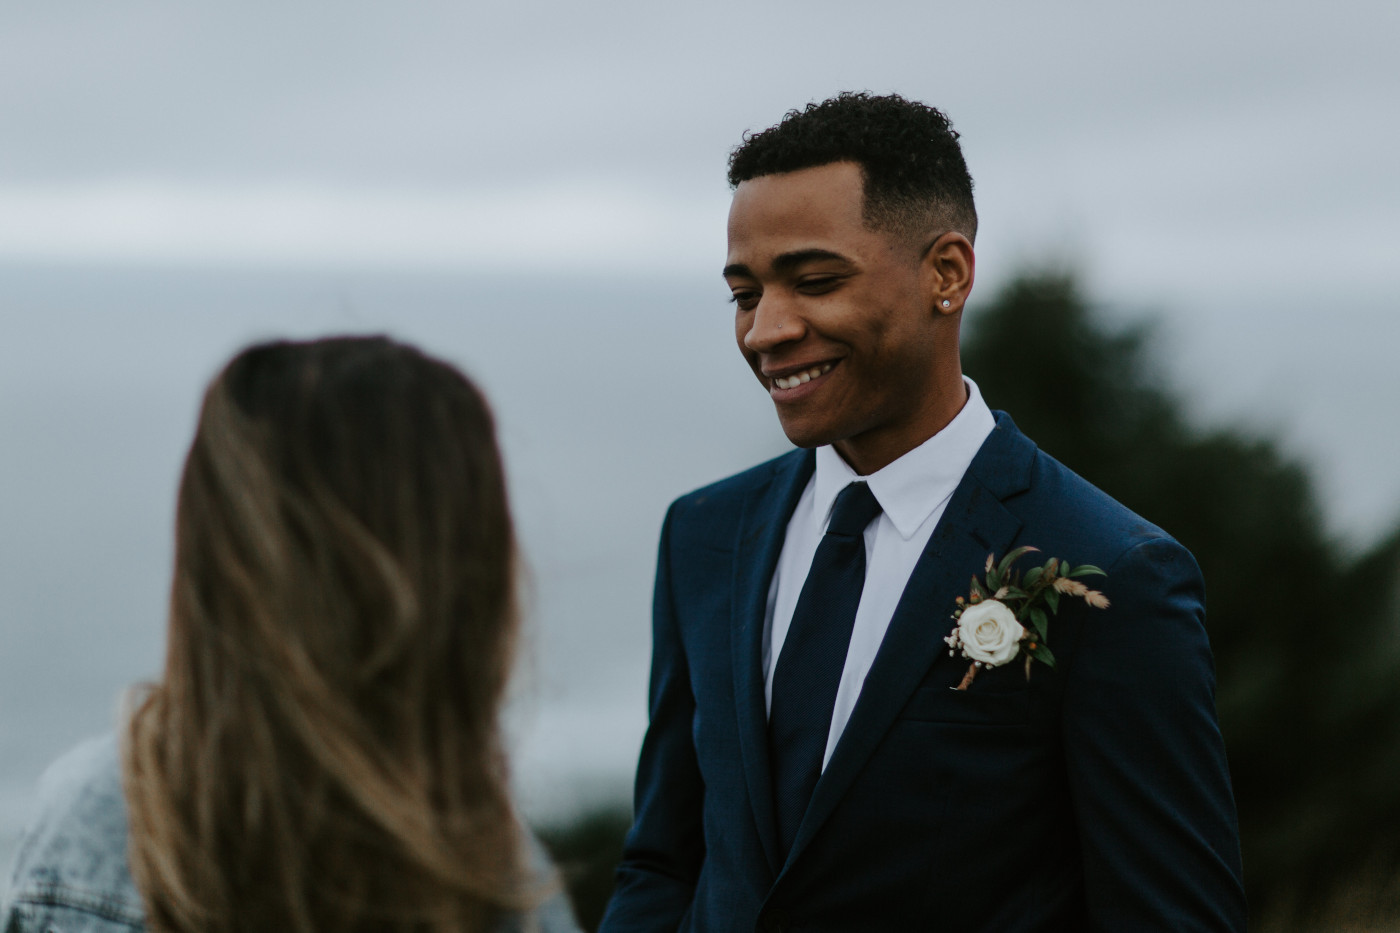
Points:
(793, 379)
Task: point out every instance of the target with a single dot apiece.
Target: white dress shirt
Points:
(912, 491)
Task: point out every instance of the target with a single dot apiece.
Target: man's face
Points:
(835, 319)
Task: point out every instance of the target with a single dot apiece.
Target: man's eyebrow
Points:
(786, 262)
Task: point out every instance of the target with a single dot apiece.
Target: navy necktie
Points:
(814, 652)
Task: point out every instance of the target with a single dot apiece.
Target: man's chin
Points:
(806, 435)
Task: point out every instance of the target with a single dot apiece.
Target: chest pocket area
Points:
(972, 706)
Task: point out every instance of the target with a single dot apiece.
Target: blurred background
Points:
(1192, 210)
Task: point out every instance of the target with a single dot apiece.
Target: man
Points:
(815, 759)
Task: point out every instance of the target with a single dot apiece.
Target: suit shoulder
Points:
(731, 492)
(1084, 516)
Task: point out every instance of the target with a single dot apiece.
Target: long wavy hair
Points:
(323, 751)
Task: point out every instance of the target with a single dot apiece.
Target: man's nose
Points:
(773, 323)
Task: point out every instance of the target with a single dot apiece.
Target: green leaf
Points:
(994, 579)
(1052, 599)
(1010, 559)
(1040, 623)
(977, 589)
(1014, 592)
(1032, 576)
(1042, 653)
(1084, 570)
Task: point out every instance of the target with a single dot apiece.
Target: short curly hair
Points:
(916, 180)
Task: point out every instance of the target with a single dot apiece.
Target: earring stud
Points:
(947, 303)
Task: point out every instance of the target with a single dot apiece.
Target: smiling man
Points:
(816, 759)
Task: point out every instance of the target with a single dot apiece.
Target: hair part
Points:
(323, 751)
(916, 183)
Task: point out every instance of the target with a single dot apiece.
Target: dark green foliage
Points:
(586, 851)
(1305, 635)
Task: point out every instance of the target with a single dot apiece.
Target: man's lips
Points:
(791, 379)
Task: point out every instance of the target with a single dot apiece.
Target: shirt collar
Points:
(913, 486)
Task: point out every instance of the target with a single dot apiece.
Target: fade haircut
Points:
(916, 182)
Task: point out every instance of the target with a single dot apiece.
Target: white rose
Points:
(989, 632)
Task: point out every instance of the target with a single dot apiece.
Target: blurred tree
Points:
(586, 851)
(1305, 635)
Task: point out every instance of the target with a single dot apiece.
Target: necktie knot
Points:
(855, 508)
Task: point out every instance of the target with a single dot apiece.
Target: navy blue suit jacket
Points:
(1093, 797)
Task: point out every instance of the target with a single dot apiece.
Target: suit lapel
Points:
(974, 524)
(762, 530)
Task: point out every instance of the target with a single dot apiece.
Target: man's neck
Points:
(867, 454)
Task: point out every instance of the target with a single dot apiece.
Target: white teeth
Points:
(793, 381)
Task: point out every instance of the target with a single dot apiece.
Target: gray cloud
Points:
(450, 93)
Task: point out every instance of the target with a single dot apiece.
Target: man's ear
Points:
(948, 267)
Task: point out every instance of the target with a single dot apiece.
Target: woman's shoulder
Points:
(554, 913)
(71, 871)
(71, 865)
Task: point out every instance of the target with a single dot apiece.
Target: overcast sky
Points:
(1229, 165)
(1183, 147)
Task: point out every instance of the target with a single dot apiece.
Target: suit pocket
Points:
(944, 704)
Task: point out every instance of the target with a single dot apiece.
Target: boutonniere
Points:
(1005, 618)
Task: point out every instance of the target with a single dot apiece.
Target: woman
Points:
(322, 752)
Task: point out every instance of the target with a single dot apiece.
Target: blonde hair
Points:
(323, 751)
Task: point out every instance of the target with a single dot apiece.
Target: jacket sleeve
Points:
(1144, 756)
(663, 853)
